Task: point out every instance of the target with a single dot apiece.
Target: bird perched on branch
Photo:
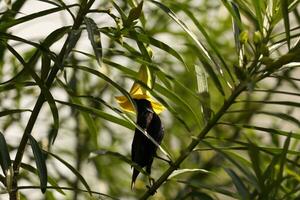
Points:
(143, 149)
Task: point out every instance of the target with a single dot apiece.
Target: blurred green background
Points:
(226, 71)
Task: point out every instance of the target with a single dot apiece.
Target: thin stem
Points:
(186, 152)
(64, 188)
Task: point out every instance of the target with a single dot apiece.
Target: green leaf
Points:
(134, 14)
(91, 124)
(233, 13)
(45, 91)
(203, 92)
(40, 163)
(14, 85)
(283, 103)
(285, 13)
(204, 54)
(236, 29)
(105, 78)
(264, 129)
(282, 116)
(99, 113)
(76, 173)
(10, 23)
(183, 171)
(283, 159)
(94, 37)
(237, 160)
(150, 40)
(209, 40)
(239, 185)
(213, 188)
(209, 69)
(5, 161)
(254, 155)
(10, 112)
(240, 38)
(55, 36)
(258, 12)
(51, 180)
(46, 66)
(8, 36)
(179, 101)
(119, 156)
(120, 11)
(197, 195)
(72, 40)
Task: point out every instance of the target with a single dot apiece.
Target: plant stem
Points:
(40, 101)
(186, 152)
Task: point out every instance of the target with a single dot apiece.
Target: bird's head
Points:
(143, 105)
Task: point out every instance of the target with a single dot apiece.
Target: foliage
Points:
(225, 70)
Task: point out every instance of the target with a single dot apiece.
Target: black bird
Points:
(143, 149)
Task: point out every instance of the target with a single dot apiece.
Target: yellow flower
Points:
(138, 92)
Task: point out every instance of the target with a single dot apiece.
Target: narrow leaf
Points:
(283, 159)
(45, 91)
(233, 13)
(72, 40)
(94, 37)
(285, 13)
(45, 69)
(99, 113)
(183, 171)
(254, 155)
(258, 12)
(201, 48)
(209, 40)
(209, 69)
(241, 163)
(134, 14)
(10, 23)
(55, 36)
(198, 185)
(5, 161)
(119, 156)
(150, 40)
(264, 129)
(10, 112)
(238, 183)
(40, 163)
(203, 92)
(51, 180)
(70, 167)
(179, 101)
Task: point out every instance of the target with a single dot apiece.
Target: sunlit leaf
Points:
(183, 171)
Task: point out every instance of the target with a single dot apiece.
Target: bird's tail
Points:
(134, 176)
